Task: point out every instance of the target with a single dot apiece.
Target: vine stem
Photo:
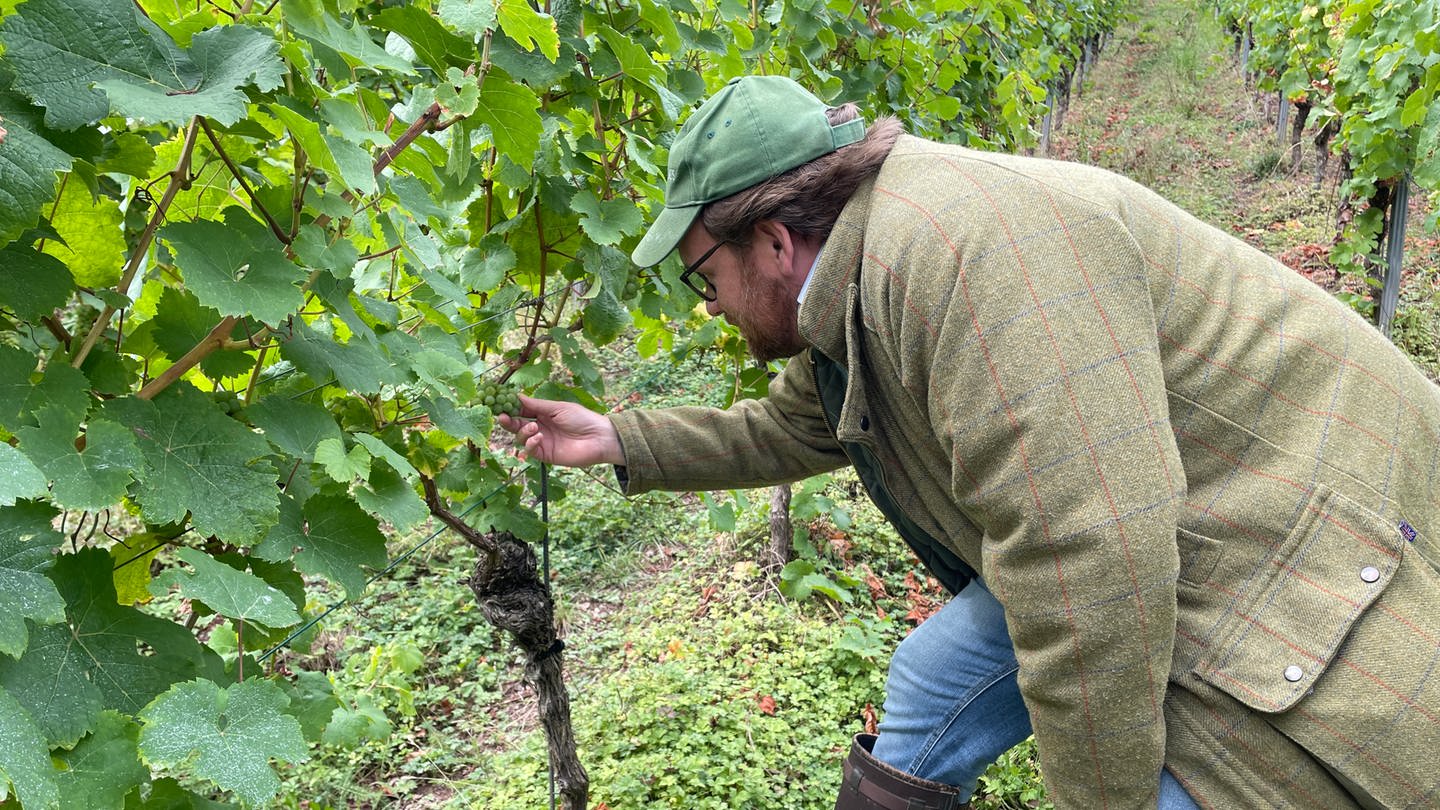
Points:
(244, 185)
(206, 347)
(178, 179)
(481, 543)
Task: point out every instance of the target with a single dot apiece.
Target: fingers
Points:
(530, 406)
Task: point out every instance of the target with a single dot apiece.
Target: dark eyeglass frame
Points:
(705, 290)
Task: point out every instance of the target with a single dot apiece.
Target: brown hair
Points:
(808, 198)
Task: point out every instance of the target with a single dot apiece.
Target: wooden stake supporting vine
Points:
(512, 596)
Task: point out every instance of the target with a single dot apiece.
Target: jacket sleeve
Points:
(1046, 388)
(755, 442)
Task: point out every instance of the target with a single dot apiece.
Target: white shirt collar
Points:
(800, 299)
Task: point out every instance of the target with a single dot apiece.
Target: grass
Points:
(694, 682)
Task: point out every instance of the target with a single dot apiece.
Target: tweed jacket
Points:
(1206, 493)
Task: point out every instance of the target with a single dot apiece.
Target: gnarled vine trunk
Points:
(510, 594)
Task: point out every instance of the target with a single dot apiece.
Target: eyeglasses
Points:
(702, 286)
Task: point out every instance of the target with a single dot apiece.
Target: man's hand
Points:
(564, 433)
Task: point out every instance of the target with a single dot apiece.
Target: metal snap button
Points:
(1369, 573)
(1294, 673)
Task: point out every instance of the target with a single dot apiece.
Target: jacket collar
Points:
(824, 312)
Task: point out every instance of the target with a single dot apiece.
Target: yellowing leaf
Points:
(132, 568)
(94, 245)
(529, 27)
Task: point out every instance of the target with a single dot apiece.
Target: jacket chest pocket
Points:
(1337, 643)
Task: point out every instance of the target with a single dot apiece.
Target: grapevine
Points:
(1368, 67)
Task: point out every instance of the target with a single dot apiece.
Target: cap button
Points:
(864, 423)
(1294, 673)
(1370, 573)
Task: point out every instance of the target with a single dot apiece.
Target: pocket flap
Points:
(1284, 629)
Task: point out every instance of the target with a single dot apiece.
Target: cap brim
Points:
(667, 231)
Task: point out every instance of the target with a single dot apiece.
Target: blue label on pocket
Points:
(1408, 532)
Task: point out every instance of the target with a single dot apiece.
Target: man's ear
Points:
(771, 239)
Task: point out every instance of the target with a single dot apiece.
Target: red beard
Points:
(768, 317)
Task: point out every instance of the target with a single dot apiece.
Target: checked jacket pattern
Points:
(1206, 493)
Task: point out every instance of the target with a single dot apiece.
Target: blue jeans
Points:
(952, 704)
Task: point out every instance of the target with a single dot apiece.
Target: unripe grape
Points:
(500, 398)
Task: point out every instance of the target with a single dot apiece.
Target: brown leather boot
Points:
(872, 785)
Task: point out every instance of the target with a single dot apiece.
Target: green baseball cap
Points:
(753, 129)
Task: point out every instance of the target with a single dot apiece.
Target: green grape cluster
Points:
(500, 398)
(632, 288)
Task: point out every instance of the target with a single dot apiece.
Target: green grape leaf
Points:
(340, 465)
(91, 479)
(356, 166)
(227, 591)
(311, 20)
(392, 499)
(437, 369)
(530, 28)
(69, 54)
(61, 48)
(605, 318)
(473, 17)
(329, 536)
(483, 267)
(227, 736)
(513, 114)
(606, 221)
(103, 767)
(105, 656)
(339, 257)
(231, 271)
(19, 478)
(27, 543)
(199, 460)
(28, 166)
(26, 763)
(181, 321)
(309, 135)
(295, 427)
(435, 46)
(93, 245)
(312, 701)
(349, 727)
(413, 194)
(609, 265)
(537, 69)
(458, 93)
(221, 62)
(634, 60)
(32, 284)
(167, 794)
(60, 387)
(1427, 155)
(381, 450)
(522, 523)
(358, 365)
(469, 423)
(127, 153)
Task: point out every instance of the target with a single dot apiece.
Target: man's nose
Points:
(713, 307)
